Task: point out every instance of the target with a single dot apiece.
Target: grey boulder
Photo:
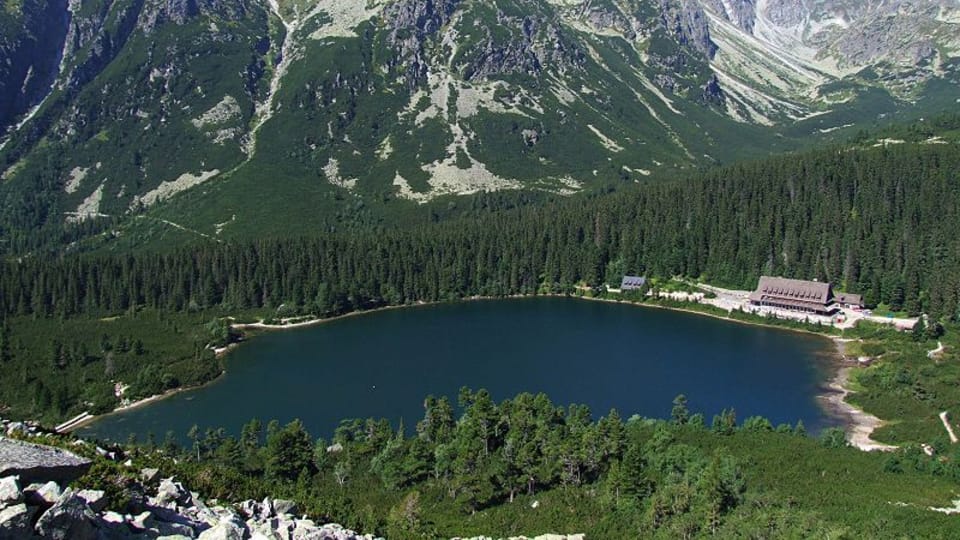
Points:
(10, 491)
(283, 506)
(225, 530)
(15, 522)
(69, 519)
(39, 463)
(171, 493)
(42, 494)
(96, 499)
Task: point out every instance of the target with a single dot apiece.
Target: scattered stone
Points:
(15, 522)
(43, 510)
(225, 530)
(251, 509)
(112, 518)
(42, 494)
(10, 491)
(142, 521)
(171, 493)
(149, 475)
(40, 463)
(69, 519)
(283, 506)
(177, 530)
(96, 499)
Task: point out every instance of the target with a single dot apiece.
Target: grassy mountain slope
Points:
(304, 116)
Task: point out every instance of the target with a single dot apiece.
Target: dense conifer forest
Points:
(877, 221)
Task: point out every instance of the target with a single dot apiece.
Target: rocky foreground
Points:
(35, 502)
(172, 512)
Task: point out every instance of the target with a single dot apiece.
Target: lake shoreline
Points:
(139, 403)
(856, 422)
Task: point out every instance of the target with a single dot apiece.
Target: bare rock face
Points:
(742, 13)
(410, 23)
(688, 23)
(38, 463)
(29, 57)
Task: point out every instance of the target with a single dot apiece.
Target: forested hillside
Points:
(877, 221)
(244, 118)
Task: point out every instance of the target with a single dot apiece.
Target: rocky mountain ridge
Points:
(337, 104)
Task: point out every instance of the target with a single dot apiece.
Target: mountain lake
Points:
(605, 355)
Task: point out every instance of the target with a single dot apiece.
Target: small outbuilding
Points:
(849, 300)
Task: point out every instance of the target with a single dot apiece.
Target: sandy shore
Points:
(135, 405)
(859, 424)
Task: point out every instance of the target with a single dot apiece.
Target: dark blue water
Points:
(599, 354)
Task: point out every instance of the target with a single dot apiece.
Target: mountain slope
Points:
(328, 111)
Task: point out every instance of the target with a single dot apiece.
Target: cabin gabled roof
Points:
(632, 282)
(792, 291)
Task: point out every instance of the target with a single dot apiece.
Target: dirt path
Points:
(949, 428)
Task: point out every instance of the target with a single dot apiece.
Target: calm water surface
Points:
(603, 355)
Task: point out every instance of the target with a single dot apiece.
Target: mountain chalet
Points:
(803, 296)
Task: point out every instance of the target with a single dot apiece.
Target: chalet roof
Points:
(795, 291)
(633, 281)
(849, 298)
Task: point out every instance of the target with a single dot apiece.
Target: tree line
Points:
(877, 221)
